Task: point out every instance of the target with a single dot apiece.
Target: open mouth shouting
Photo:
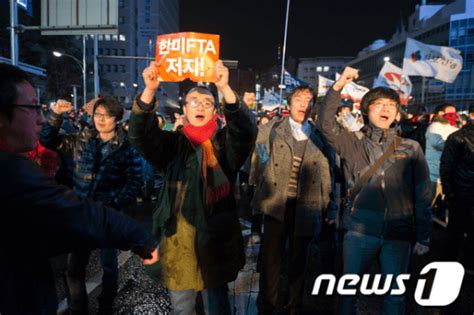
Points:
(384, 117)
(199, 117)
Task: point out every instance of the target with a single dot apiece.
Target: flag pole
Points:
(423, 91)
(284, 52)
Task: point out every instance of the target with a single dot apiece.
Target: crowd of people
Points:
(377, 178)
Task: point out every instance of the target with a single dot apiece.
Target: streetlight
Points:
(59, 55)
(386, 58)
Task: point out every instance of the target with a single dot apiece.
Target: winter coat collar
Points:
(380, 135)
(91, 137)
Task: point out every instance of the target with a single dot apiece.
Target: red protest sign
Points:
(187, 56)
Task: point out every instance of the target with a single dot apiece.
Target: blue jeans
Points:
(359, 252)
(216, 301)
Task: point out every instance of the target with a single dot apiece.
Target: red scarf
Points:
(197, 135)
(451, 118)
(4, 146)
(216, 182)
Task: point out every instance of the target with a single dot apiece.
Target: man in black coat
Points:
(457, 177)
(38, 218)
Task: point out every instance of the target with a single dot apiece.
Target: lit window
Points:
(107, 37)
(122, 38)
(319, 68)
(326, 68)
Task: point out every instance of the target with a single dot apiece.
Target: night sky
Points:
(251, 30)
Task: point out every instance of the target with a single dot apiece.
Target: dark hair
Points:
(300, 89)
(378, 93)
(471, 109)
(446, 105)
(202, 90)
(438, 109)
(10, 77)
(111, 105)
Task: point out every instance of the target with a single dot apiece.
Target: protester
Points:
(250, 100)
(40, 219)
(106, 169)
(258, 161)
(196, 219)
(293, 189)
(457, 178)
(444, 124)
(382, 210)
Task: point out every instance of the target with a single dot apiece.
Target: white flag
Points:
(391, 76)
(324, 84)
(441, 62)
(271, 99)
(353, 91)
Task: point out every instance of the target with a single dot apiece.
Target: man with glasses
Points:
(106, 169)
(38, 218)
(201, 247)
(388, 210)
(293, 188)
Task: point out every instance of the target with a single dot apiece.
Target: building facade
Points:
(309, 69)
(450, 24)
(140, 22)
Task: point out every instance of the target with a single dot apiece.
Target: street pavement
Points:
(139, 294)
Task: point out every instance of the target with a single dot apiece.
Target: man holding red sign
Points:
(196, 220)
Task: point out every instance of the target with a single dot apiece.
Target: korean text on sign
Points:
(187, 55)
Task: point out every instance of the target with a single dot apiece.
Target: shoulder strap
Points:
(371, 171)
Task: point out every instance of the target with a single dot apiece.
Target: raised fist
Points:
(348, 75)
(151, 76)
(61, 107)
(221, 73)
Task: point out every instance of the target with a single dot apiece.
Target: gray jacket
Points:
(314, 185)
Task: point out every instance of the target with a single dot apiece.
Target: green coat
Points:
(219, 242)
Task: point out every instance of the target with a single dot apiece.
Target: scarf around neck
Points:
(451, 118)
(216, 182)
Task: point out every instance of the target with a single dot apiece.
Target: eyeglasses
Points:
(206, 104)
(379, 106)
(36, 107)
(100, 116)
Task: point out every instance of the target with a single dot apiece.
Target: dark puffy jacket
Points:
(457, 162)
(109, 172)
(40, 219)
(395, 202)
